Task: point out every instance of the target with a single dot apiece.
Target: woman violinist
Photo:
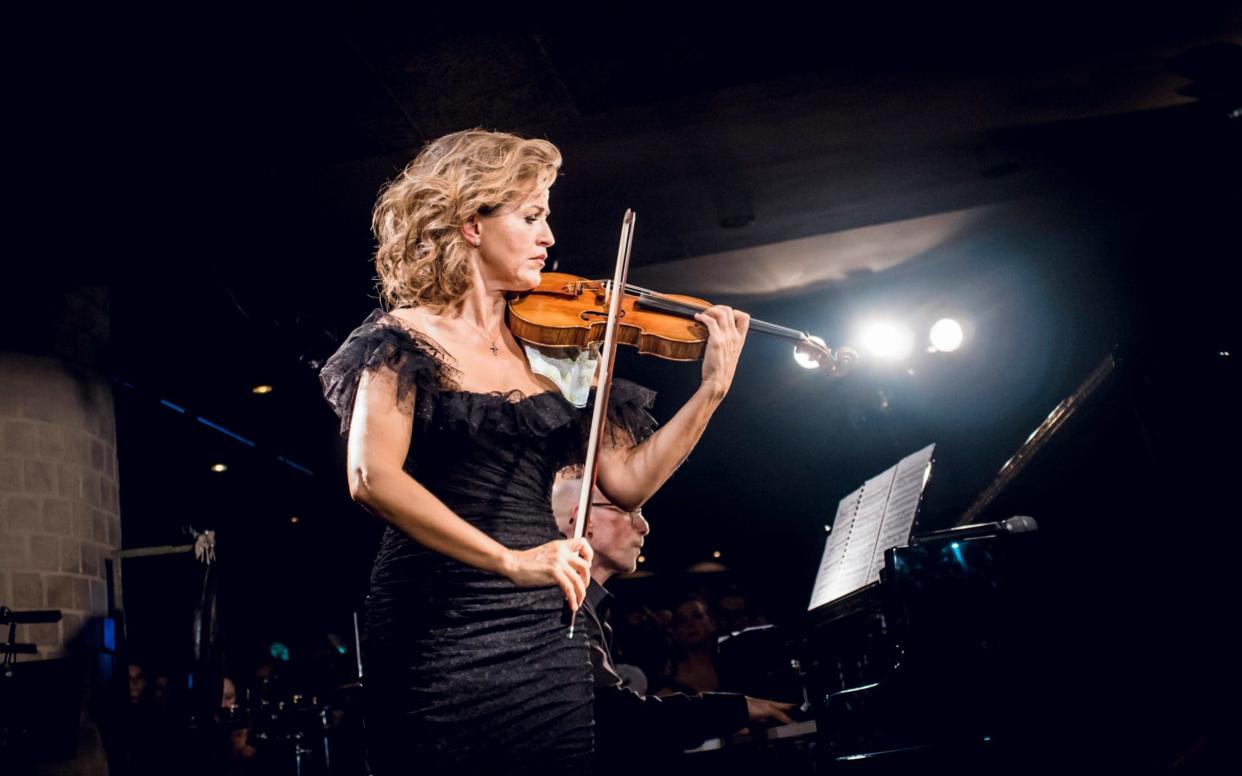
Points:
(455, 441)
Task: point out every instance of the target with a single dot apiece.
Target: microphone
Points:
(1014, 525)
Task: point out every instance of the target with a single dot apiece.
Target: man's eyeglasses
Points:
(633, 516)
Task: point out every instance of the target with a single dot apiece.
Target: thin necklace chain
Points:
(491, 343)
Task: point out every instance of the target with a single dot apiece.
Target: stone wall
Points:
(59, 509)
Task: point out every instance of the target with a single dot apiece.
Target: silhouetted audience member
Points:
(137, 683)
(641, 639)
(235, 724)
(133, 733)
(162, 692)
(735, 612)
(694, 645)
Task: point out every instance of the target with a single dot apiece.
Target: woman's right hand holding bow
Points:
(565, 563)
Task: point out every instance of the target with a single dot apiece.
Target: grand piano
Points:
(1095, 642)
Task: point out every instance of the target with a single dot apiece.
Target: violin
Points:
(567, 311)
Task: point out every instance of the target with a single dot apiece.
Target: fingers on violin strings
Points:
(726, 323)
(731, 321)
(737, 324)
(711, 322)
(743, 322)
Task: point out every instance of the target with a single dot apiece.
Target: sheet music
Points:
(903, 502)
(855, 566)
(834, 550)
(873, 518)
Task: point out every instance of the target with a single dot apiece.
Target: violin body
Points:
(566, 311)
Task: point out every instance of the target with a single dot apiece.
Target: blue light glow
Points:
(109, 634)
(172, 406)
(957, 554)
(293, 465)
(224, 431)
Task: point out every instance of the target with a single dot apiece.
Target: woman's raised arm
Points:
(629, 474)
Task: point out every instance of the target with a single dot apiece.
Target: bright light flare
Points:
(808, 357)
(887, 340)
(946, 335)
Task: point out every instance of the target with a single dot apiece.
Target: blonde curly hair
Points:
(422, 257)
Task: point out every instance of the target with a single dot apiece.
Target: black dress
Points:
(463, 668)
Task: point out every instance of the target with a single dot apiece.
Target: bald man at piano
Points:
(627, 723)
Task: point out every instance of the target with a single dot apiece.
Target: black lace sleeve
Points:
(629, 406)
(418, 363)
(629, 422)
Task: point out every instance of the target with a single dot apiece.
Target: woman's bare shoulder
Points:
(426, 326)
(418, 319)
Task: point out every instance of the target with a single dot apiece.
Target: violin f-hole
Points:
(585, 314)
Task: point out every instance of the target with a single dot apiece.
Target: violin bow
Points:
(599, 413)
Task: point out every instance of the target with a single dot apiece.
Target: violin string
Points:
(658, 301)
(689, 310)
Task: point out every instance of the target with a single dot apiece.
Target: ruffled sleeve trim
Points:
(381, 342)
(629, 406)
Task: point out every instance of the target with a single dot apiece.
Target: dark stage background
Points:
(1064, 181)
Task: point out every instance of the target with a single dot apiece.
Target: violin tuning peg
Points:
(843, 361)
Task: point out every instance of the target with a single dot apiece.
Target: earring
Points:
(477, 243)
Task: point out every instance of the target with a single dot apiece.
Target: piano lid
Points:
(1038, 439)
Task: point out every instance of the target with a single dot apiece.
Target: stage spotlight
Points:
(888, 340)
(946, 335)
(219, 467)
(261, 389)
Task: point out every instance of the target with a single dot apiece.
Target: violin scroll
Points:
(813, 353)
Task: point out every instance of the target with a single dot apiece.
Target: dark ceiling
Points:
(1051, 174)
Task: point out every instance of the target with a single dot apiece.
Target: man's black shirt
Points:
(627, 723)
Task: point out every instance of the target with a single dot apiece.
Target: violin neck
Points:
(654, 301)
